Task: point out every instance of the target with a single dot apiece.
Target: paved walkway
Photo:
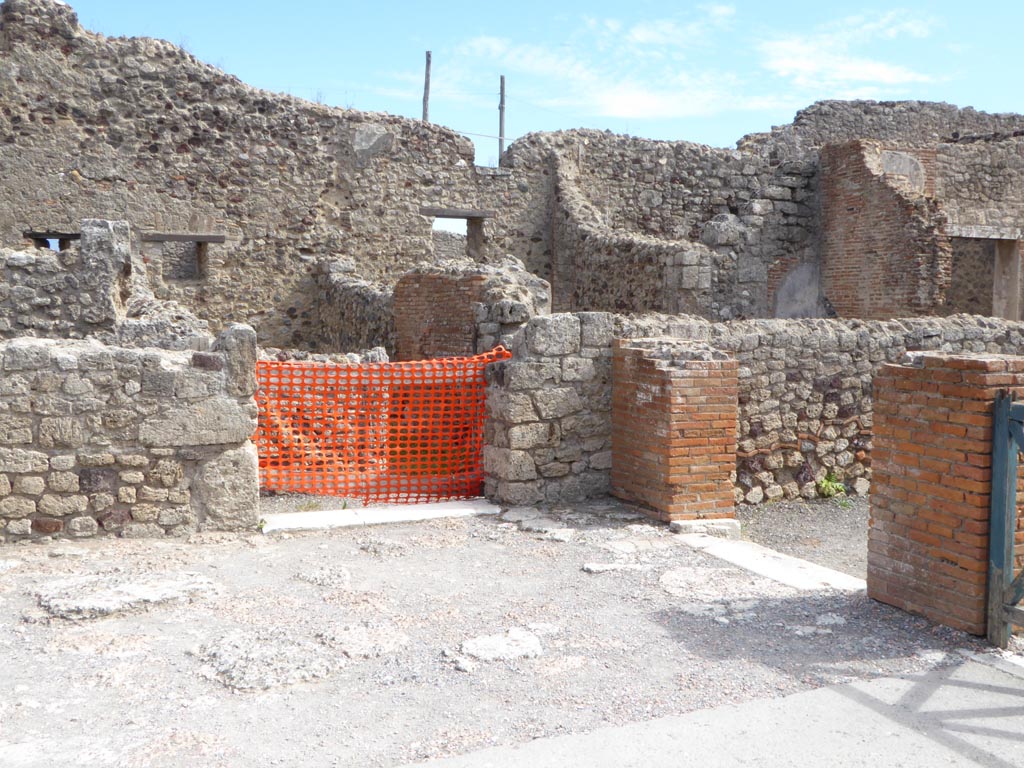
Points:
(971, 714)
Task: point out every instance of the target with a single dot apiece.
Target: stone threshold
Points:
(324, 519)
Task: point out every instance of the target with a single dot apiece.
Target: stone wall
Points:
(352, 313)
(883, 251)
(138, 129)
(71, 293)
(980, 185)
(138, 442)
(805, 397)
(971, 277)
(698, 228)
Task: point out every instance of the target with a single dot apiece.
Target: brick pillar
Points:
(674, 428)
(930, 489)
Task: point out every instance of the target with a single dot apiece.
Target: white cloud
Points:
(829, 58)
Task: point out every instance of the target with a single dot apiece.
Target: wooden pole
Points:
(501, 120)
(426, 92)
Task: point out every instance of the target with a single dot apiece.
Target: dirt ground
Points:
(391, 645)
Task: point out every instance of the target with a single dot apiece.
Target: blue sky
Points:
(707, 72)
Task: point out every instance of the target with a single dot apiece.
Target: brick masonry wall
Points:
(461, 308)
(928, 534)
(137, 442)
(882, 252)
(674, 428)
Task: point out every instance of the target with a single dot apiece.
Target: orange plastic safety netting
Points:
(395, 432)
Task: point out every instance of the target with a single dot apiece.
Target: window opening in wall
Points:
(471, 219)
(54, 241)
(183, 256)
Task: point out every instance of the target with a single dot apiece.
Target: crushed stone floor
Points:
(390, 645)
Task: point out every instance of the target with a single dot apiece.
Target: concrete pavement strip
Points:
(970, 714)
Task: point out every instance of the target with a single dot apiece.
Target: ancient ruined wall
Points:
(970, 279)
(805, 397)
(72, 293)
(696, 229)
(139, 442)
(911, 123)
(137, 129)
(352, 313)
(883, 252)
(460, 308)
(980, 185)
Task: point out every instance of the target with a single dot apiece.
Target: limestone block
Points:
(19, 527)
(62, 506)
(18, 461)
(238, 344)
(16, 506)
(510, 407)
(522, 376)
(5, 485)
(127, 495)
(61, 432)
(509, 464)
(601, 460)
(596, 328)
(81, 527)
(26, 355)
(15, 429)
(132, 477)
(132, 460)
(225, 490)
(62, 463)
(518, 494)
(29, 485)
(149, 493)
(556, 403)
(95, 459)
(101, 501)
(577, 369)
(208, 422)
(535, 435)
(141, 531)
(553, 335)
(167, 472)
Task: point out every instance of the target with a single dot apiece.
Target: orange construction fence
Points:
(378, 432)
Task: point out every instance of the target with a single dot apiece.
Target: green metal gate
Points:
(1004, 589)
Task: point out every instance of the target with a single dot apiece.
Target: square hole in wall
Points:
(183, 260)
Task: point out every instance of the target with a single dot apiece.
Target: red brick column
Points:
(674, 428)
(930, 489)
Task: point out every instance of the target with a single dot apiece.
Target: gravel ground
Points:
(388, 645)
(830, 532)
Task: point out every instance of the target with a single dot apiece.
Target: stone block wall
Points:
(883, 252)
(138, 442)
(928, 531)
(547, 437)
(674, 428)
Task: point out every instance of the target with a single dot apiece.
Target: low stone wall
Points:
(805, 397)
(140, 442)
